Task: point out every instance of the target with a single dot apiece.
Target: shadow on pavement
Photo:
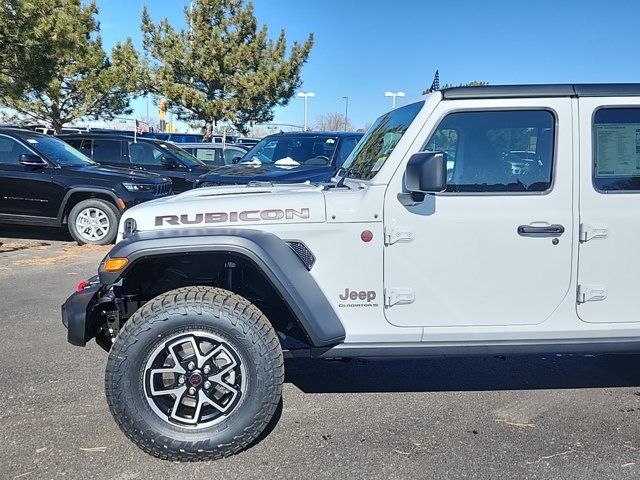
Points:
(34, 233)
(464, 374)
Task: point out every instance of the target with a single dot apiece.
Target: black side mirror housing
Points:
(236, 160)
(169, 162)
(31, 160)
(426, 173)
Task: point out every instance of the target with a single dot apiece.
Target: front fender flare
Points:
(269, 253)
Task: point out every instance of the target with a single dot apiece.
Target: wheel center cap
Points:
(195, 379)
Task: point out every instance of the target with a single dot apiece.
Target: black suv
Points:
(146, 154)
(44, 181)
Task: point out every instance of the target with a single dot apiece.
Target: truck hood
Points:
(245, 173)
(231, 206)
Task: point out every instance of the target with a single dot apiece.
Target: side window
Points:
(10, 151)
(208, 155)
(142, 153)
(616, 159)
(344, 149)
(230, 154)
(502, 151)
(107, 151)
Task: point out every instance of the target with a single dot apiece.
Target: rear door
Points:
(609, 210)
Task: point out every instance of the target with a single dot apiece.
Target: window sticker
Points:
(618, 150)
(32, 141)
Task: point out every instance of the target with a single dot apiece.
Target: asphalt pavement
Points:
(552, 417)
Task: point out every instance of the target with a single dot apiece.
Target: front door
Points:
(609, 211)
(25, 190)
(495, 249)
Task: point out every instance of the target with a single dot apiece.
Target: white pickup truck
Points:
(473, 221)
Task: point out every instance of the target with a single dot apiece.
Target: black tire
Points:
(109, 210)
(183, 312)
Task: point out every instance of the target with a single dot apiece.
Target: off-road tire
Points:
(108, 209)
(231, 317)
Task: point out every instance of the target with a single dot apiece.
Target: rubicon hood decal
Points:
(232, 217)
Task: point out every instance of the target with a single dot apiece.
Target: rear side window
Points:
(616, 133)
(108, 151)
(497, 151)
(208, 155)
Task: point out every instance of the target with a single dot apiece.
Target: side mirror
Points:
(31, 160)
(236, 160)
(426, 173)
(169, 162)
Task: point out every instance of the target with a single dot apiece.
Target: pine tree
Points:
(69, 75)
(223, 67)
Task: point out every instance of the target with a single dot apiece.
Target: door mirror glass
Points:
(169, 162)
(31, 160)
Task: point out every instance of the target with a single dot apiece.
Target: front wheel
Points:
(94, 221)
(195, 374)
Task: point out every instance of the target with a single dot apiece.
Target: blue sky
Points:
(365, 47)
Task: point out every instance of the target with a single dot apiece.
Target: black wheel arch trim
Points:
(104, 191)
(282, 267)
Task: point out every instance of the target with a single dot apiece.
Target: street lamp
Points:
(306, 96)
(346, 113)
(393, 96)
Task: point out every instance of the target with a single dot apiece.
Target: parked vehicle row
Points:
(43, 179)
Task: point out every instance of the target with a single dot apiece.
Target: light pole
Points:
(306, 96)
(393, 96)
(346, 113)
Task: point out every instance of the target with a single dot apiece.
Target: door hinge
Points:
(591, 293)
(398, 296)
(589, 231)
(398, 234)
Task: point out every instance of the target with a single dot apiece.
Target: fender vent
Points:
(303, 253)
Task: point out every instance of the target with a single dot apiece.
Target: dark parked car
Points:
(288, 158)
(215, 154)
(155, 156)
(44, 181)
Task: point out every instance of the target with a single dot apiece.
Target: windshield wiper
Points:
(346, 172)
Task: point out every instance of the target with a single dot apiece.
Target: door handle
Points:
(540, 231)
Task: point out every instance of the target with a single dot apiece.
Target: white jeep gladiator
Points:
(474, 221)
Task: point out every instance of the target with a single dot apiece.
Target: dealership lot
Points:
(525, 417)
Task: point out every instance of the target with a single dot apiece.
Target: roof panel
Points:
(543, 90)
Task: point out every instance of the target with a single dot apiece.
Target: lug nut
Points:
(181, 379)
(192, 391)
(206, 369)
(207, 385)
(191, 366)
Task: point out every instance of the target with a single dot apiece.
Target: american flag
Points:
(435, 86)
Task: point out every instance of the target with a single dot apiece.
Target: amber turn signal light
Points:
(115, 264)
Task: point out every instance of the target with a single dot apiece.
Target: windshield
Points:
(60, 152)
(379, 141)
(298, 149)
(186, 158)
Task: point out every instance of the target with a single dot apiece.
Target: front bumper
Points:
(76, 314)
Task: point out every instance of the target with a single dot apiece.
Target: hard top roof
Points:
(543, 90)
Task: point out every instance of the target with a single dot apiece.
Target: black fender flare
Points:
(104, 191)
(269, 253)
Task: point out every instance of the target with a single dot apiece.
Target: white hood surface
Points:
(232, 206)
